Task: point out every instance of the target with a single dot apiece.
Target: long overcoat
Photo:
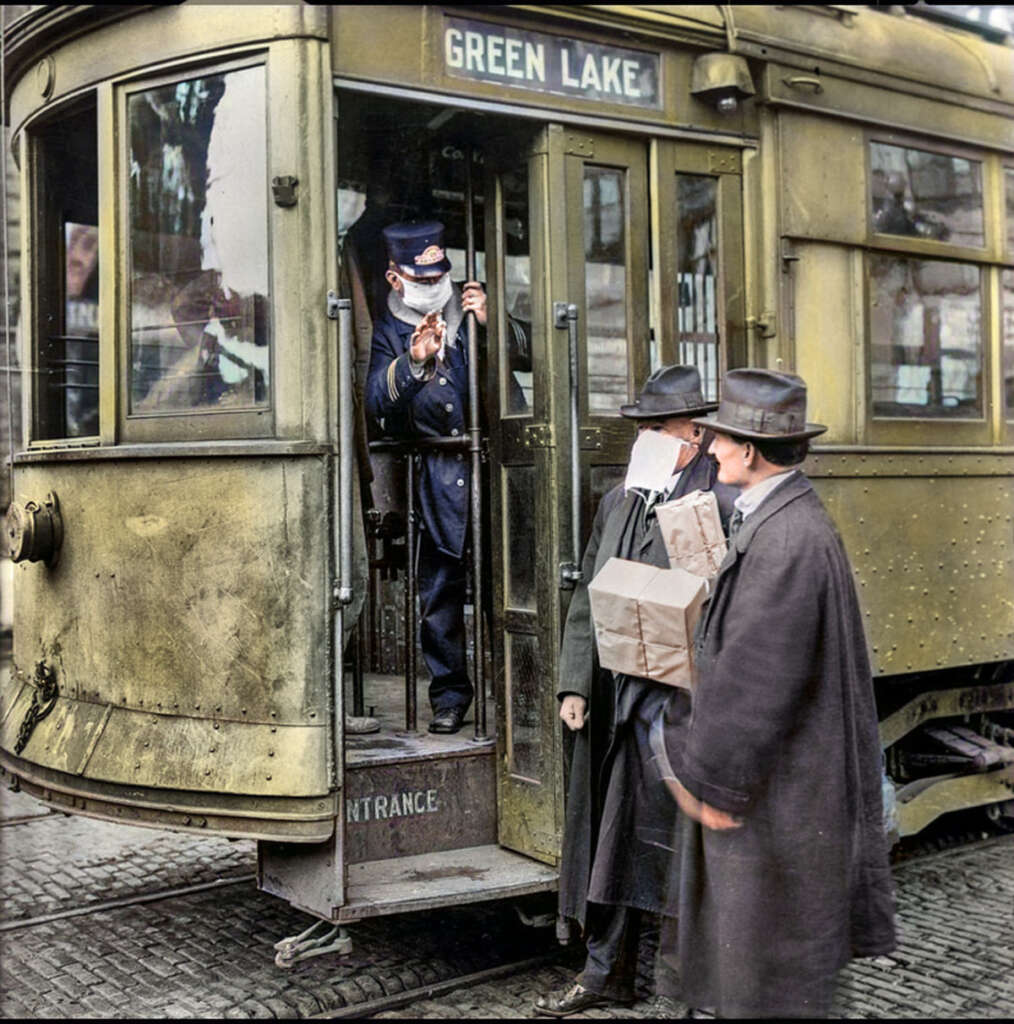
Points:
(620, 822)
(784, 734)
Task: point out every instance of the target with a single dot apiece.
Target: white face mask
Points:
(427, 298)
(653, 460)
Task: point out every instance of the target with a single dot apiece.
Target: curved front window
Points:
(200, 325)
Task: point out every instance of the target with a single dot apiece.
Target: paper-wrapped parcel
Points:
(645, 618)
(692, 532)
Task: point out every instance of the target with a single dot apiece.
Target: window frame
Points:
(199, 424)
(45, 262)
(942, 431)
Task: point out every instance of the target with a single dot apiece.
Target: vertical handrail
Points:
(474, 432)
(565, 316)
(411, 670)
(342, 589)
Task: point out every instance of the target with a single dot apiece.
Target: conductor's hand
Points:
(473, 300)
(428, 337)
(572, 709)
(708, 816)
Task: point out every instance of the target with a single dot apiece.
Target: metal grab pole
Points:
(565, 315)
(342, 592)
(410, 592)
(476, 450)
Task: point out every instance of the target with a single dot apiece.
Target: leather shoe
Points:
(447, 720)
(572, 1000)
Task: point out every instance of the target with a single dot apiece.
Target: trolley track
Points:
(125, 901)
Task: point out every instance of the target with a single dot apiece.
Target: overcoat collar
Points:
(781, 496)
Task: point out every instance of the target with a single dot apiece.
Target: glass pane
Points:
(1008, 340)
(1009, 174)
(604, 479)
(525, 735)
(926, 195)
(199, 313)
(926, 333)
(519, 543)
(520, 384)
(697, 278)
(67, 402)
(605, 276)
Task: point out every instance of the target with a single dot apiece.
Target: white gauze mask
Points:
(427, 298)
(653, 460)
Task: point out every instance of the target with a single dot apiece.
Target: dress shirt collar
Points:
(750, 499)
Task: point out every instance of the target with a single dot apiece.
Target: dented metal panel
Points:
(187, 624)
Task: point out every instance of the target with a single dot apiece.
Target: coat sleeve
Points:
(760, 659)
(390, 383)
(577, 655)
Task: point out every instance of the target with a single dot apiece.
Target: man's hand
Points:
(428, 337)
(708, 816)
(572, 709)
(473, 300)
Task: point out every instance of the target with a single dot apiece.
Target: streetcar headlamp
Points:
(721, 79)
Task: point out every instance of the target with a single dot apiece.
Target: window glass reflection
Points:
(697, 278)
(605, 243)
(199, 314)
(517, 262)
(925, 318)
(1007, 279)
(1009, 175)
(67, 398)
(926, 195)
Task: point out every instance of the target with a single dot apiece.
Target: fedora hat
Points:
(762, 405)
(669, 391)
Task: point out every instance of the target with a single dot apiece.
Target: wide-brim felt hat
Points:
(669, 391)
(417, 247)
(762, 405)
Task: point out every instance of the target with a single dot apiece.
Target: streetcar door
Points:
(569, 228)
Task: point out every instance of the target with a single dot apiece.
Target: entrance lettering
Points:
(538, 61)
(395, 805)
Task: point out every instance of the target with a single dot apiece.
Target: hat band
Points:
(665, 403)
(758, 419)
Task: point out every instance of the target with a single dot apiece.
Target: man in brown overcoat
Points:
(785, 870)
(619, 833)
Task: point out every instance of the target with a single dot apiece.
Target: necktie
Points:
(735, 523)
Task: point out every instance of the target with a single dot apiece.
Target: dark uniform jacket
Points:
(783, 733)
(406, 407)
(620, 821)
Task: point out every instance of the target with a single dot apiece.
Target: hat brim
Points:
(410, 270)
(714, 424)
(635, 412)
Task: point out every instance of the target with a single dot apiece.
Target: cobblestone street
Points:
(205, 949)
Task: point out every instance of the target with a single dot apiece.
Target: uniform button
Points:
(459, 457)
(443, 381)
(449, 407)
(461, 483)
(454, 431)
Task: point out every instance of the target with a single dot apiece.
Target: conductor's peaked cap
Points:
(417, 247)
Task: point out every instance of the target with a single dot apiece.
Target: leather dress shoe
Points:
(447, 720)
(575, 999)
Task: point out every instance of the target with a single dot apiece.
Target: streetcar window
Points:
(524, 706)
(67, 394)
(518, 287)
(605, 245)
(926, 195)
(520, 550)
(198, 220)
(1009, 175)
(1008, 340)
(697, 278)
(926, 324)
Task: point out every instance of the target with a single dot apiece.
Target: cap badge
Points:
(430, 255)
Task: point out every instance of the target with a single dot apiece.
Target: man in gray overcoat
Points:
(785, 871)
(619, 833)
